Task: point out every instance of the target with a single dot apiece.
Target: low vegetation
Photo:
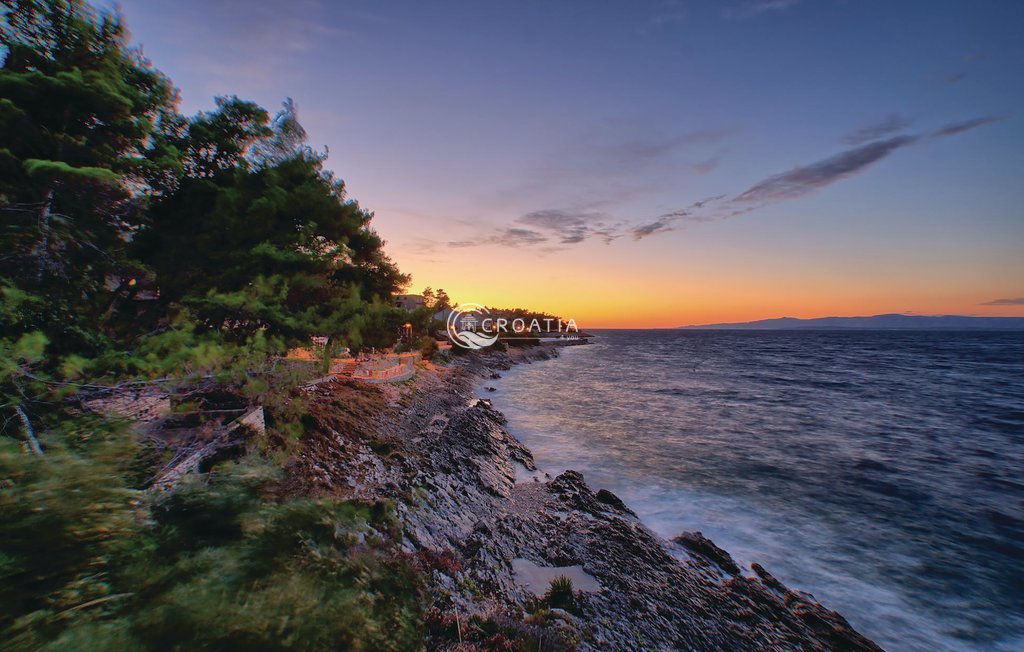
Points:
(142, 249)
(215, 564)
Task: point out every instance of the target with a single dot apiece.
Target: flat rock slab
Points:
(537, 579)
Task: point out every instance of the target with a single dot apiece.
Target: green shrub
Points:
(302, 577)
(428, 347)
(219, 564)
(65, 519)
(560, 594)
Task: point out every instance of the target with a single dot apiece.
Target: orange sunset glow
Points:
(666, 289)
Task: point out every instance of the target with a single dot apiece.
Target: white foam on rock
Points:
(523, 474)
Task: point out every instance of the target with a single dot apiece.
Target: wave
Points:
(872, 478)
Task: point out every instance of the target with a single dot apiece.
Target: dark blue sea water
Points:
(881, 471)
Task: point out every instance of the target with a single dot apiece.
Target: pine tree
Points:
(77, 110)
(272, 244)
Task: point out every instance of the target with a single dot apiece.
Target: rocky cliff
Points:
(492, 532)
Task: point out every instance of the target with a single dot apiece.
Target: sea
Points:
(880, 471)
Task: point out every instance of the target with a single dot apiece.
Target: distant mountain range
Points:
(876, 322)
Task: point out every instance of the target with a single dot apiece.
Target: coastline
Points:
(493, 530)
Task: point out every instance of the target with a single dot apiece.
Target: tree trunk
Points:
(43, 259)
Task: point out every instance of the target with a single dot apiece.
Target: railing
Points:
(388, 369)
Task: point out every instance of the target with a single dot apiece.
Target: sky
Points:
(651, 163)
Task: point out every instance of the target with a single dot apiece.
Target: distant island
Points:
(880, 322)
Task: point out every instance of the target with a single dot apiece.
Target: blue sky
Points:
(652, 163)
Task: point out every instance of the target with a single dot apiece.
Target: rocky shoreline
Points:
(491, 531)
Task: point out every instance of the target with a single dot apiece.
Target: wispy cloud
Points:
(651, 149)
(955, 128)
(961, 74)
(554, 226)
(805, 179)
(890, 124)
(659, 225)
(753, 8)
(1019, 301)
(802, 180)
(509, 237)
(567, 227)
(570, 227)
(608, 164)
(705, 167)
(666, 222)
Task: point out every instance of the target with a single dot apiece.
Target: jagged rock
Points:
(608, 498)
(768, 579)
(705, 547)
